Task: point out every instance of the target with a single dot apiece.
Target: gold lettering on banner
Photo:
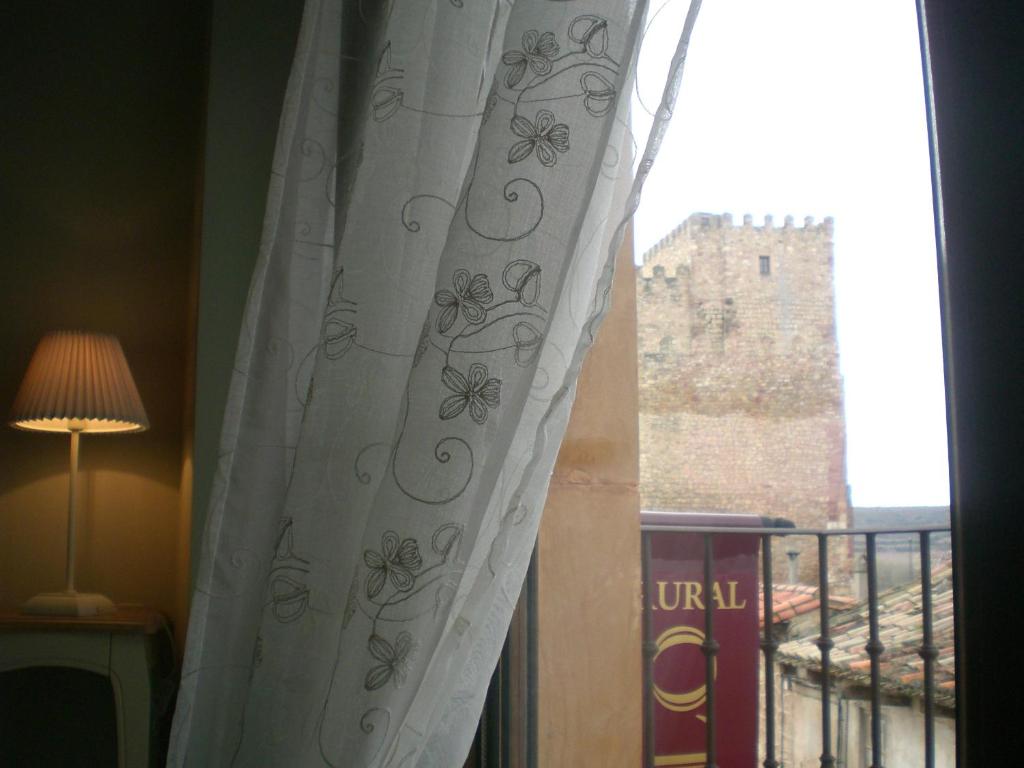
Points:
(732, 597)
(689, 593)
(683, 701)
(693, 590)
(681, 761)
(661, 596)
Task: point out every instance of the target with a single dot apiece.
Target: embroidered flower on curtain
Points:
(385, 101)
(527, 341)
(592, 32)
(598, 94)
(478, 392)
(545, 135)
(522, 277)
(397, 562)
(538, 50)
(470, 297)
(394, 660)
(289, 598)
(338, 335)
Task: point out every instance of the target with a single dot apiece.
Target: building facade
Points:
(740, 393)
(901, 682)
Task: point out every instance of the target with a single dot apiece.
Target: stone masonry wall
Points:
(740, 394)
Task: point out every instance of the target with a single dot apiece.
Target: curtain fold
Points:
(448, 193)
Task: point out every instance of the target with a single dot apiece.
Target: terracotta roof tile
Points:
(900, 633)
(792, 600)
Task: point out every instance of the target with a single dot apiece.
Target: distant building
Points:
(740, 394)
(898, 554)
(798, 683)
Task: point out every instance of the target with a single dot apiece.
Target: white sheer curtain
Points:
(449, 187)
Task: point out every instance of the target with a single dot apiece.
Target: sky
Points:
(816, 108)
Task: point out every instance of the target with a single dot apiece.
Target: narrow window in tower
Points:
(765, 265)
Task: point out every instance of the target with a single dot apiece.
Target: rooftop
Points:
(792, 600)
(900, 632)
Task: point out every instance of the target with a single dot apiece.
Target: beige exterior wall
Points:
(799, 734)
(740, 392)
(589, 690)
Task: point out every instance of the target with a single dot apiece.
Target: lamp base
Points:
(68, 604)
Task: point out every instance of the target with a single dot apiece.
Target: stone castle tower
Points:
(740, 394)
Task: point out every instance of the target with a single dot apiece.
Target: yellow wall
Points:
(99, 147)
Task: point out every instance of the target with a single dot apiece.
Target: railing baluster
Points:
(825, 644)
(874, 649)
(710, 649)
(768, 645)
(928, 650)
(650, 649)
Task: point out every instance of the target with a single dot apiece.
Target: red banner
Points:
(678, 601)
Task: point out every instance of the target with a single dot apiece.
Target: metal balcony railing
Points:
(769, 643)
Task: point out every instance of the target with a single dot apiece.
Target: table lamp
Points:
(76, 382)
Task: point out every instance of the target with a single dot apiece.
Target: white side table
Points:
(124, 646)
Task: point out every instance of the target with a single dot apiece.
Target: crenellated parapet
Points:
(738, 362)
(744, 313)
(673, 253)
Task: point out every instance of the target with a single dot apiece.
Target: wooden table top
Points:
(127, 618)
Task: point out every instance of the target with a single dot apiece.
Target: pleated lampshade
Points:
(78, 381)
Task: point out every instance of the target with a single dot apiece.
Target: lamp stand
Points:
(70, 602)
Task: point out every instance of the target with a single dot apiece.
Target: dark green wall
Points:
(251, 48)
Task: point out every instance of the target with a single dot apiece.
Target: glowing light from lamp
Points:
(76, 382)
(80, 382)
